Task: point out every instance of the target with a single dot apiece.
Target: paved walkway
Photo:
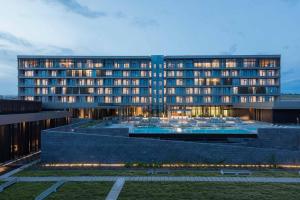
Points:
(116, 189)
(157, 178)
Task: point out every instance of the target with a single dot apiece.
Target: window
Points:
(117, 65)
(118, 99)
(89, 64)
(90, 82)
(267, 63)
(135, 99)
(179, 73)
(125, 91)
(225, 99)
(207, 90)
(126, 82)
(99, 90)
(189, 99)
(143, 65)
(252, 99)
(171, 90)
(179, 82)
(189, 90)
(89, 73)
(215, 63)
(108, 99)
(179, 99)
(249, 62)
(118, 82)
(243, 99)
(244, 81)
(262, 73)
(144, 73)
(261, 99)
(29, 73)
(108, 91)
(135, 90)
(54, 73)
(230, 63)
(125, 73)
(126, 65)
(108, 73)
(207, 99)
(135, 82)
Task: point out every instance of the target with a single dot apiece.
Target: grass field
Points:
(24, 191)
(85, 190)
(140, 172)
(209, 191)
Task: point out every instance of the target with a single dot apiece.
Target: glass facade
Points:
(151, 84)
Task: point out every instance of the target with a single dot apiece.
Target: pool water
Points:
(195, 130)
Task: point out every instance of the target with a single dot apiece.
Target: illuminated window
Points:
(225, 73)
(225, 99)
(89, 64)
(243, 99)
(99, 90)
(126, 73)
(108, 73)
(117, 99)
(126, 65)
(230, 63)
(126, 82)
(197, 73)
(244, 81)
(267, 63)
(90, 99)
(66, 63)
(44, 90)
(171, 90)
(262, 73)
(189, 99)
(215, 63)
(171, 73)
(117, 65)
(252, 99)
(54, 73)
(179, 82)
(82, 82)
(235, 90)
(197, 91)
(143, 99)
(29, 73)
(271, 99)
(207, 73)
(108, 91)
(118, 82)
(234, 73)
(207, 90)
(249, 62)
(108, 99)
(199, 81)
(71, 100)
(179, 73)
(29, 98)
(271, 81)
(143, 65)
(135, 90)
(48, 64)
(262, 81)
(271, 73)
(100, 82)
(90, 90)
(45, 82)
(125, 90)
(207, 99)
(135, 99)
(90, 82)
(135, 82)
(63, 99)
(144, 73)
(261, 99)
(89, 73)
(52, 90)
(179, 99)
(62, 82)
(189, 90)
(98, 65)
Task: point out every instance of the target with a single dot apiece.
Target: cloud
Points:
(14, 39)
(75, 7)
(144, 23)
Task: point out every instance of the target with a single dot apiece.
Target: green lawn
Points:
(209, 191)
(24, 191)
(82, 190)
(140, 172)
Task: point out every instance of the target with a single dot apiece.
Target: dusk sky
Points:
(143, 27)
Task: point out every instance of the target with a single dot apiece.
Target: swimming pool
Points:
(194, 130)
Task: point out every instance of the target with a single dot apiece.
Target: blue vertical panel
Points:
(157, 76)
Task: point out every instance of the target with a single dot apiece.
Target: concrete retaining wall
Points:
(74, 147)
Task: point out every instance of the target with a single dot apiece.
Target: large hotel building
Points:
(95, 86)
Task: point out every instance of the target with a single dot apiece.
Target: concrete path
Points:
(116, 189)
(12, 172)
(158, 178)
